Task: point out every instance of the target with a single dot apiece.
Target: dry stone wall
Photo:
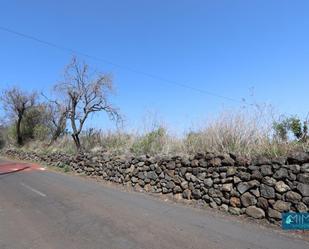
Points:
(261, 188)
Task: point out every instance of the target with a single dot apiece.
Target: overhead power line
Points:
(150, 75)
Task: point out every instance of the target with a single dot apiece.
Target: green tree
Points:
(16, 103)
(291, 126)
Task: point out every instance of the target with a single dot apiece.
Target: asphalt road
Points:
(47, 210)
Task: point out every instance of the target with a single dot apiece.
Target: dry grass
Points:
(247, 132)
(238, 133)
(241, 132)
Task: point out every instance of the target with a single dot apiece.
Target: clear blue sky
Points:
(225, 47)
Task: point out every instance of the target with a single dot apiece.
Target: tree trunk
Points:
(76, 141)
(59, 130)
(55, 136)
(76, 132)
(18, 131)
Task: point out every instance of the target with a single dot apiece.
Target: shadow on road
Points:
(13, 171)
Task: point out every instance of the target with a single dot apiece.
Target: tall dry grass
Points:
(244, 131)
(247, 131)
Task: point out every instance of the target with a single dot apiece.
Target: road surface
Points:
(47, 210)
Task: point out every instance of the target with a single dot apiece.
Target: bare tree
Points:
(16, 103)
(85, 94)
(58, 113)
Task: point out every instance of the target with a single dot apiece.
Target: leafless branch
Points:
(85, 95)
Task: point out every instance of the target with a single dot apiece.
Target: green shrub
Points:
(292, 127)
(66, 168)
(2, 140)
(11, 133)
(150, 143)
(41, 132)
